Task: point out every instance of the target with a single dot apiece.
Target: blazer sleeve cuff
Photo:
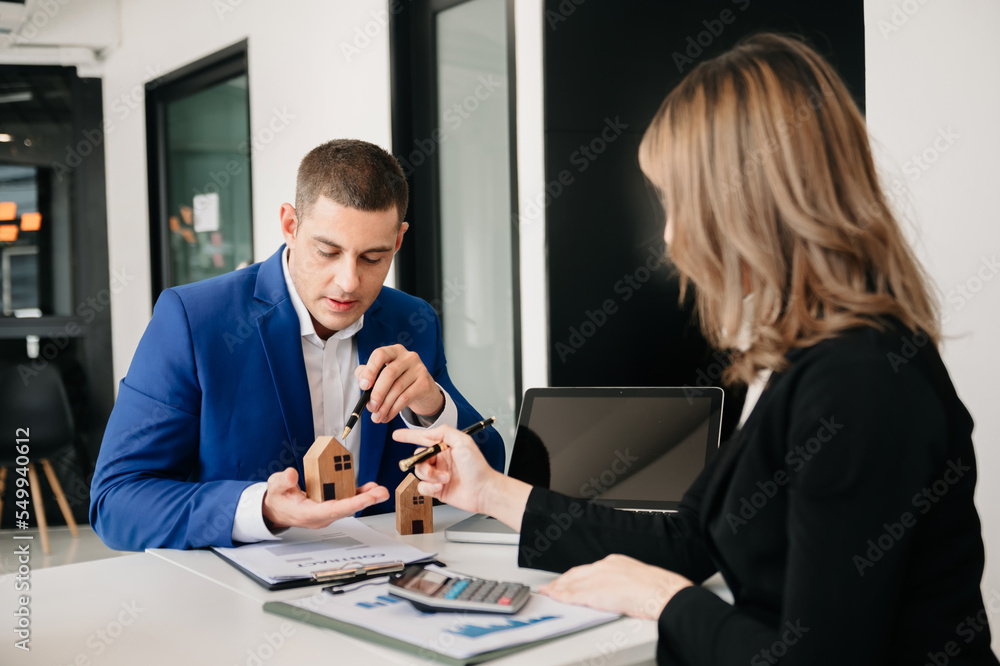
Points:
(448, 415)
(248, 523)
(691, 623)
(540, 536)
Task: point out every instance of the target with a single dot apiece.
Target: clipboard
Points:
(383, 631)
(347, 551)
(348, 629)
(330, 577)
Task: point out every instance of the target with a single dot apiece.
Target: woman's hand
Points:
(461, 477)
(619, 584)
(456, 476)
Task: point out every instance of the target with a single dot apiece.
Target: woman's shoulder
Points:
(889, 395)
(884, 355)
(884, 340)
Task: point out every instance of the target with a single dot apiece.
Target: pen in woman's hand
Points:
(408, 463)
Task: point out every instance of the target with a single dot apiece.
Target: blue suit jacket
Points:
(216, 399)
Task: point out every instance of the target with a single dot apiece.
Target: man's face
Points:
(338, 258)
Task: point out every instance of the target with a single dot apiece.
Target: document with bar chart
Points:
(370, 612)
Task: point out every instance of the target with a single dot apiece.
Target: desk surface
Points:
(474, 559)
(190, 607)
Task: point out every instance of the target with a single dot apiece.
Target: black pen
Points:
(407, 463)
(360, 407)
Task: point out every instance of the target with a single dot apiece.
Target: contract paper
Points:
(345, 543)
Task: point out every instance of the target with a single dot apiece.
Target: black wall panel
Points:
(614, 319)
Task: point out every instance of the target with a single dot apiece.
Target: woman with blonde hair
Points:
(841, 513)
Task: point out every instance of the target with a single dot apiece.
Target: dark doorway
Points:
(54, 256)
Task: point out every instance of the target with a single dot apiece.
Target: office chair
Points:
(37, 403)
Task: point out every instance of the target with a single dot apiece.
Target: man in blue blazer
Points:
(237, 375)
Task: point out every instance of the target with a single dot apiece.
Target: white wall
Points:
(529, 29)
(314, 75)
(64, 33)
(933, 107)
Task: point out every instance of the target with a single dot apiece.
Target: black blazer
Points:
(841, 516)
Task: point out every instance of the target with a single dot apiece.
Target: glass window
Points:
(39, 161)
(198, 134)
(208, 182)
(20, 223)
(477, 291)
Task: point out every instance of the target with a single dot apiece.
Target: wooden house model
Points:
(414, 512)
(329, 470)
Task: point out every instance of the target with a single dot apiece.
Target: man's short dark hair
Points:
(352, 173)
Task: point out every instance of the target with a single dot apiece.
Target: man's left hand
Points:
(404, 382)
(619, 584)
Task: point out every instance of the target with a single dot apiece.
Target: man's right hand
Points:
(286, 505)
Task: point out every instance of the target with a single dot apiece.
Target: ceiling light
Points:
(4, 138)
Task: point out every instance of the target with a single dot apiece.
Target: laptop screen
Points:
(637, 448)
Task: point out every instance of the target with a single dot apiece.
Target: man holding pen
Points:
(236, 376)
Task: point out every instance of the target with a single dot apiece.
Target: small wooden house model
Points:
(414, 512)
(329, 470)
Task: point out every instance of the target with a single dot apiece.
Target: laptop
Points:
(635, 449)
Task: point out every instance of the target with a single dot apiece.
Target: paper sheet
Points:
(206, 211)
(458, 635)
(302, 551)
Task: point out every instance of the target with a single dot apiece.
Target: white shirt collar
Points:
(745, 336)
(306, 328)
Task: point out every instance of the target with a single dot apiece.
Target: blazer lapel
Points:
(280, 335)
(373, 334)
(725, 460)
(722, 467)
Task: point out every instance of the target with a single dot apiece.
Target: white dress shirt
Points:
(744, 338)
(333, 392)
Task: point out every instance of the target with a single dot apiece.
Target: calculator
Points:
(435, 592)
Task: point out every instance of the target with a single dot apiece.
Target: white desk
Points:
(140, 609)
(191, 608)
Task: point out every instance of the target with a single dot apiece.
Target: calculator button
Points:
(483, 590)
(457, 589)
(469, 591)
(504, 601)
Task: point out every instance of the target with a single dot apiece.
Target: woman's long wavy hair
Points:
(762, 163)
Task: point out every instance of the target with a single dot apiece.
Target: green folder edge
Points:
(320, 620)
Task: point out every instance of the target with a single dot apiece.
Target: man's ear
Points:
(399, 235)
(289, 224)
